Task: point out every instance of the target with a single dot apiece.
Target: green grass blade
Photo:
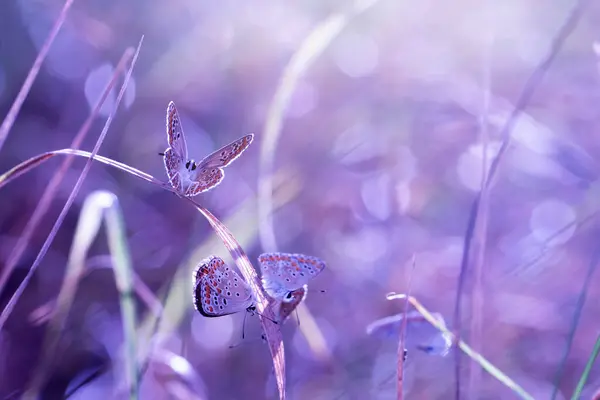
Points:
(97, 206)
(586, 372)
(117, 243)
(52, 187)
(476, 357)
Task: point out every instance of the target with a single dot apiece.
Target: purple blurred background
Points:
(380, 158)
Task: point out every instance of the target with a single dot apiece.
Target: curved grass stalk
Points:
(34, 162)
(272, 331)
(310, 49)
(505, 133)
(263, 302)
(52, 187)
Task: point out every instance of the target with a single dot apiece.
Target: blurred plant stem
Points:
(573, 328)
(50, 191)
(586, 372)
(11, 116)
(475, 356)
(505, 133)
(313, 45)
(97, 207)
(481, 225)
(402, 336)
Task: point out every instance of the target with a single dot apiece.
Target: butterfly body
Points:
(185, 175)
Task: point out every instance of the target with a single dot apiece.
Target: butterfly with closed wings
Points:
(219, 290)
(185, 175)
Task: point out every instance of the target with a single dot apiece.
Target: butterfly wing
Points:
(173, 165)
(209, 172)
(226, 154)
(289, 303)
(206, 179)
(284, 272)
(219, 290)
(175, 135)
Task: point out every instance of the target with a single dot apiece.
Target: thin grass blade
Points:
(265, 311)
(587, 370)
(402, 336)
(523, 100)
(10, 118)
(98, 206)
(476, 357)
(36, 161)
(50, 190)
(309, 50)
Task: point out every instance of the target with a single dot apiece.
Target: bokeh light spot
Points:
(356, 55)
(376, 196)
(302, 347)
(470, 164)
(303, 100)
(95, 84)
(548, 218)
(212, 334)
(70, 55)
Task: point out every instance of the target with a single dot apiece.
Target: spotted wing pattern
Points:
(228, 153)
(283, 272)
(206, 179)
(219, 290)
(209, 172)
(173, 165)
(175, 136)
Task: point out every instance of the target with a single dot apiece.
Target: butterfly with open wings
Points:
(187, 176)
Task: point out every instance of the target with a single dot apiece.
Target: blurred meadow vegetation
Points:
(446, 152)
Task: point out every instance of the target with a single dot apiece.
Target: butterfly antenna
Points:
(161, 154)
(297, 317)
(262, 337)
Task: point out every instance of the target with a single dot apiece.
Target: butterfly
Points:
(219, 290)
(185, 175)
(423, 335)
